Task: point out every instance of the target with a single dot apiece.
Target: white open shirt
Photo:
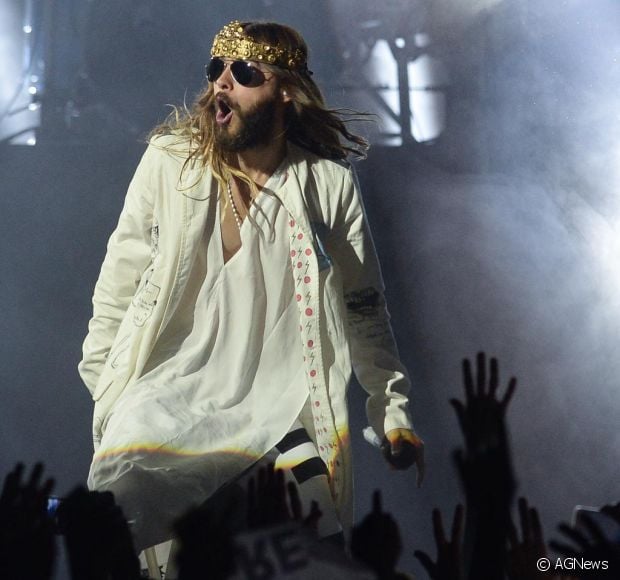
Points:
(224, 384)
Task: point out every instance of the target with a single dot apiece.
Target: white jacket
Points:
(343, 320)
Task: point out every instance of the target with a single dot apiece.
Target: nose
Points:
(225, 80)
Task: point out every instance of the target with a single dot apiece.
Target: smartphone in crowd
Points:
(609, 527)
(53, 504)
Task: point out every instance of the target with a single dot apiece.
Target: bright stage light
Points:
(20, 80)
(427, 79)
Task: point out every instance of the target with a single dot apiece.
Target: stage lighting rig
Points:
(390, 69)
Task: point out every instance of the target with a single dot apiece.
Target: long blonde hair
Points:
(308, 121)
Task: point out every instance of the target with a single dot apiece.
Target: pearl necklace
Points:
(233, 206)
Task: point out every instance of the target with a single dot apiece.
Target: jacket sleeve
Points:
(374, 354)
(127, 257)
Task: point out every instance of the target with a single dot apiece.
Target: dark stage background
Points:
(499, 234)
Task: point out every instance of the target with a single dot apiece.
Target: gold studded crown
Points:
(231, 42)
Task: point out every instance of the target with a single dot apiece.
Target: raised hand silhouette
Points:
(376, 540)
(26, 532)
(449, 563)
(97, 536)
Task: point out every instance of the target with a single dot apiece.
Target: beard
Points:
(255, 129)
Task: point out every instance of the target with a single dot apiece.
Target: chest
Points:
(231, 236)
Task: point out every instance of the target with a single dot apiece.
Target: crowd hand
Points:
(591, 546)
(402, 448)
(449, 564)
(489, 486)
(271, 501)
(481, 417)
(613, 511)
(26, 532)
(97, 537)
(310, 521)
(485, 466)
(376, 541)
(523, 554)
(206, 545)
(206, 538)
(488, 481)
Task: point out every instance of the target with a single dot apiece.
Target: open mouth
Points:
(223, 111)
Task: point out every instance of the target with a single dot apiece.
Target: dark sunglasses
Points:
(242, 71)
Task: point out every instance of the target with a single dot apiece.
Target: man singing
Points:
(239, 291)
